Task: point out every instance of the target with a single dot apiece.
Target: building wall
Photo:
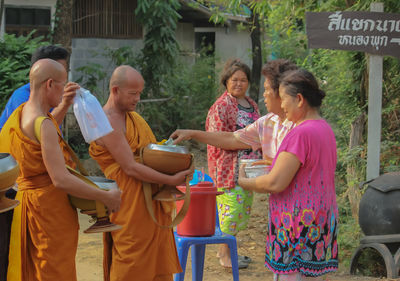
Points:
(91, 50)
(230, 43)
(185, 37)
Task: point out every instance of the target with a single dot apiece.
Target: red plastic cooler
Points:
(200, 218)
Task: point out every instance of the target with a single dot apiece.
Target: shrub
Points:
(14, 66)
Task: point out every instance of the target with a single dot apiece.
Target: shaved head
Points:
(45, 69)
(124, 73)
(126, 86)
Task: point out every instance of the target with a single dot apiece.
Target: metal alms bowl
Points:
(167, 159)
(169, 148)
(103, 183)
(97, 182)
(9, 171)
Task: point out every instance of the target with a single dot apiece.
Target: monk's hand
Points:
(113, 200)
(181, 135)
(69, 93)
(180, 177)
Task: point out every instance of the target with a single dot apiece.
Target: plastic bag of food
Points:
(91, 118)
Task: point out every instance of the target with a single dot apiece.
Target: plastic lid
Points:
(204, 186)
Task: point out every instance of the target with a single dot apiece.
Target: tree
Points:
(160, 50)
(1, 11)
(256, 56)
(62, 31)
(235, 7)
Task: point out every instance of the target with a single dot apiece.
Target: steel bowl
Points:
(168, 148)
(9, 171)
(256, 171)
(88, 205)
(103, 183)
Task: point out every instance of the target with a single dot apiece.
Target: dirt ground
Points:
(251, 242)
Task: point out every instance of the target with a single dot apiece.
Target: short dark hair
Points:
(50, 52)
(274, 69)
(231, 67)
(303, 82)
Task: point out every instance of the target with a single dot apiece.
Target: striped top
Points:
(266, 133)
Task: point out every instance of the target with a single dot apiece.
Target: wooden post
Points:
(374, 108)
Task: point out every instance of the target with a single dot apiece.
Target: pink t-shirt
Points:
(302, 234)
(266, 133)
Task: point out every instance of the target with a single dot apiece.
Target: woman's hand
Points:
(267, 162)
(181, 135)
(242, 174)
(112, 200)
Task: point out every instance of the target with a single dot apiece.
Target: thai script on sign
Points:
(371, 32)
(363, 40)
(337, 22)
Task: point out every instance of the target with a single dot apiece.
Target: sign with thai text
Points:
(372, 32)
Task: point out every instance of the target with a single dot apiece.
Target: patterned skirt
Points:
(308, 246)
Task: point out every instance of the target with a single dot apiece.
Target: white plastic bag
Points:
(91, 118)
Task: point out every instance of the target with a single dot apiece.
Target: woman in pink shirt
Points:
(266, 133)
(303, 214)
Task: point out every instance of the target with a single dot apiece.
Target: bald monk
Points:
(44, 233)
(141, 250)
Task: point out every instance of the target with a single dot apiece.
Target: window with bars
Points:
(22, 20)
(105, 19)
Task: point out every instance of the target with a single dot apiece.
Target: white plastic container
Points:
(256, 170)
(253, 171)
(91, 118)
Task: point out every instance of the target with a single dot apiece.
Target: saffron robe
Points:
(141, 249)
(44, 231)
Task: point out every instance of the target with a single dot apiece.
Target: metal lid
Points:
(201, 188)
(169, 148)
(7, 162)
(387, 182)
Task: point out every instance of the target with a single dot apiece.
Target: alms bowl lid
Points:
(169, 148)
(7, 162)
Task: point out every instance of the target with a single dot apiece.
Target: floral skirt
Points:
(311, 248)
(234, 207)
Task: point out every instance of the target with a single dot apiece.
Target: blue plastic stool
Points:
(198, 248)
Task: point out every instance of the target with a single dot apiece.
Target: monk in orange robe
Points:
(44, 232)
(141, 250)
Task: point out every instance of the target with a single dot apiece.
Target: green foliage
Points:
(192, 90)
(14, 67)
(349, 233)
(159, 20)
(188, 92)
(92, 73)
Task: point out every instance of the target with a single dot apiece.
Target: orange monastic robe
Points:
(141, 250)
(44, 232)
